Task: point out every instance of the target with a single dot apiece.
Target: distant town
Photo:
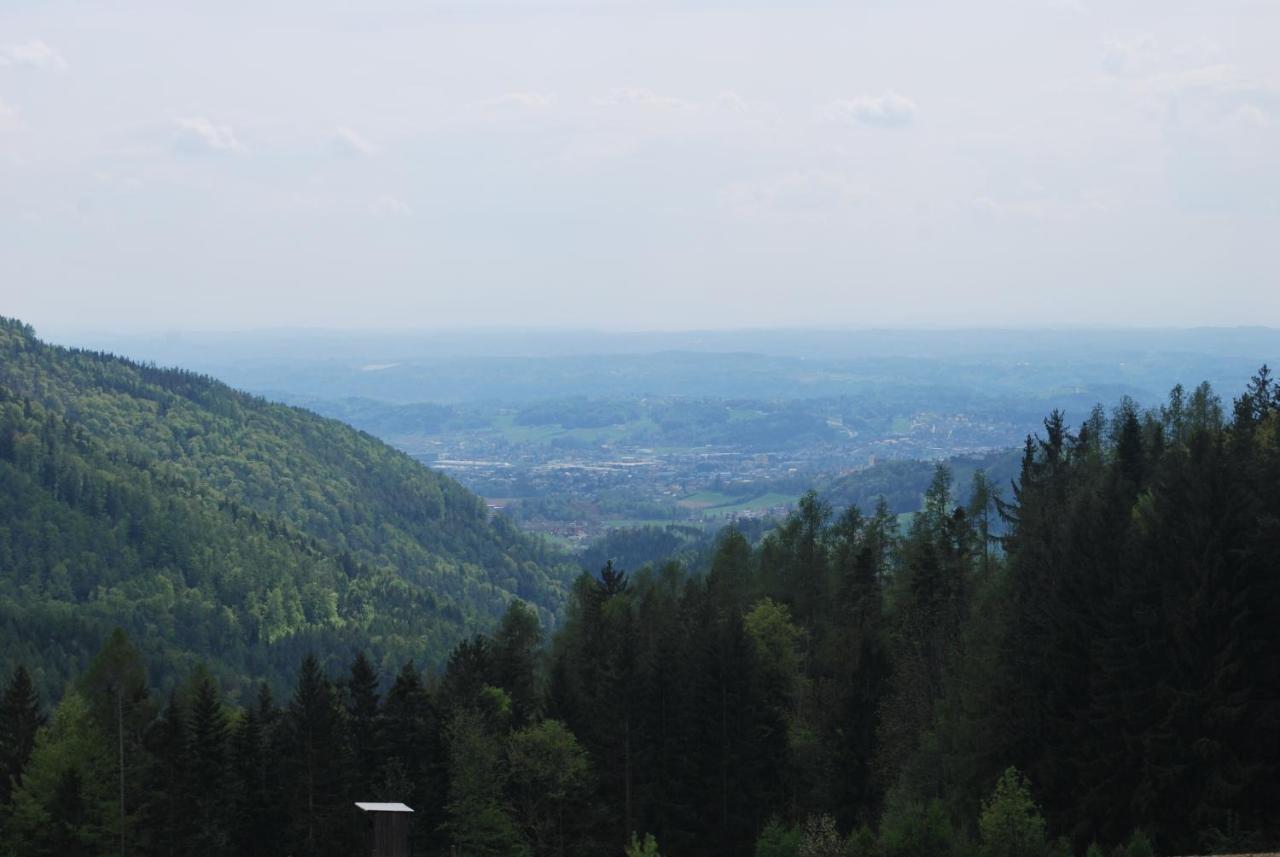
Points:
(575, 484)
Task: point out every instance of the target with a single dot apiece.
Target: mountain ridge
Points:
(304, 532)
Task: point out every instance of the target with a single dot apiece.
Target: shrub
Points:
(862, 843)
(914, 829)
(820, 838)
(777, 840)
(1061, 847)
(1139, 845)
(648, 847)
(1010, 823)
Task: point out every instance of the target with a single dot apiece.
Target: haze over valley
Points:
(575, 433)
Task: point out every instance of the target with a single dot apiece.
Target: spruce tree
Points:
(1010, 823)
(859, 671)
(68, 815)
(363, 725)
(467, 673)
(168, 811)
(258, 815)
(516, 656)
(316, 761)
(208, 773)
(1262, 393)
(415, 771)
(20, 719)
(116, 689)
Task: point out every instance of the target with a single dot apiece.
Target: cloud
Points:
(347, 142)
(1254, 116)
(199, 134)
(1130, 57)
(389, 206)
(33, 54)
(647, 98)
(1034, 202)
(1211, 98)
(8, 116)
(513, 106)
(522, 100)
(1033, 209)
(730, 102)
(794, 194)
(733, 102)
(1210, 77)
(889, 110)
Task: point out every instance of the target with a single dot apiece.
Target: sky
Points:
(639, 165)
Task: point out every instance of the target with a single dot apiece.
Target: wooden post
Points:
(120, 743)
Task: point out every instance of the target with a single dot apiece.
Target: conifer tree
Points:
(983, 497)
(1262, 393)
(415, 770)
(613, 581)
(168, 812)
(1010, 823)
(208, 773)
(467, 673)
(515, 655)
(115, 687)
(317, 761)
(66, 802)
(363, 725)
(729, 576)
(859, 669)
(68, 814)
(794, 560)
(258, 816)
(20, 719)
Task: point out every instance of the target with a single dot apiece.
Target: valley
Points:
(573, 434)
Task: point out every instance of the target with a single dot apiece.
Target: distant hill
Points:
(1032, 370)
(215, 526)
(902, 484)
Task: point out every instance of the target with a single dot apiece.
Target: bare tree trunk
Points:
(626, 755)
(724, 765)
(120, 743)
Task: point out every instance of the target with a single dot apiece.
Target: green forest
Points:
(1083, 661)
(221, 530)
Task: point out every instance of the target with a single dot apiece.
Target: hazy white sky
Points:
(707, 163)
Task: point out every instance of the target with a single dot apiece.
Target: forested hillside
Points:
(903, 484)
(1100, 679)
(216, 527)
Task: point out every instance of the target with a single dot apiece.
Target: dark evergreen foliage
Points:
(1098, 666)
(20, 719)
(317, 766)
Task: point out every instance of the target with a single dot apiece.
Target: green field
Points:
(716, 504)
(711, 499)
(615, 523)
(763, 501)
